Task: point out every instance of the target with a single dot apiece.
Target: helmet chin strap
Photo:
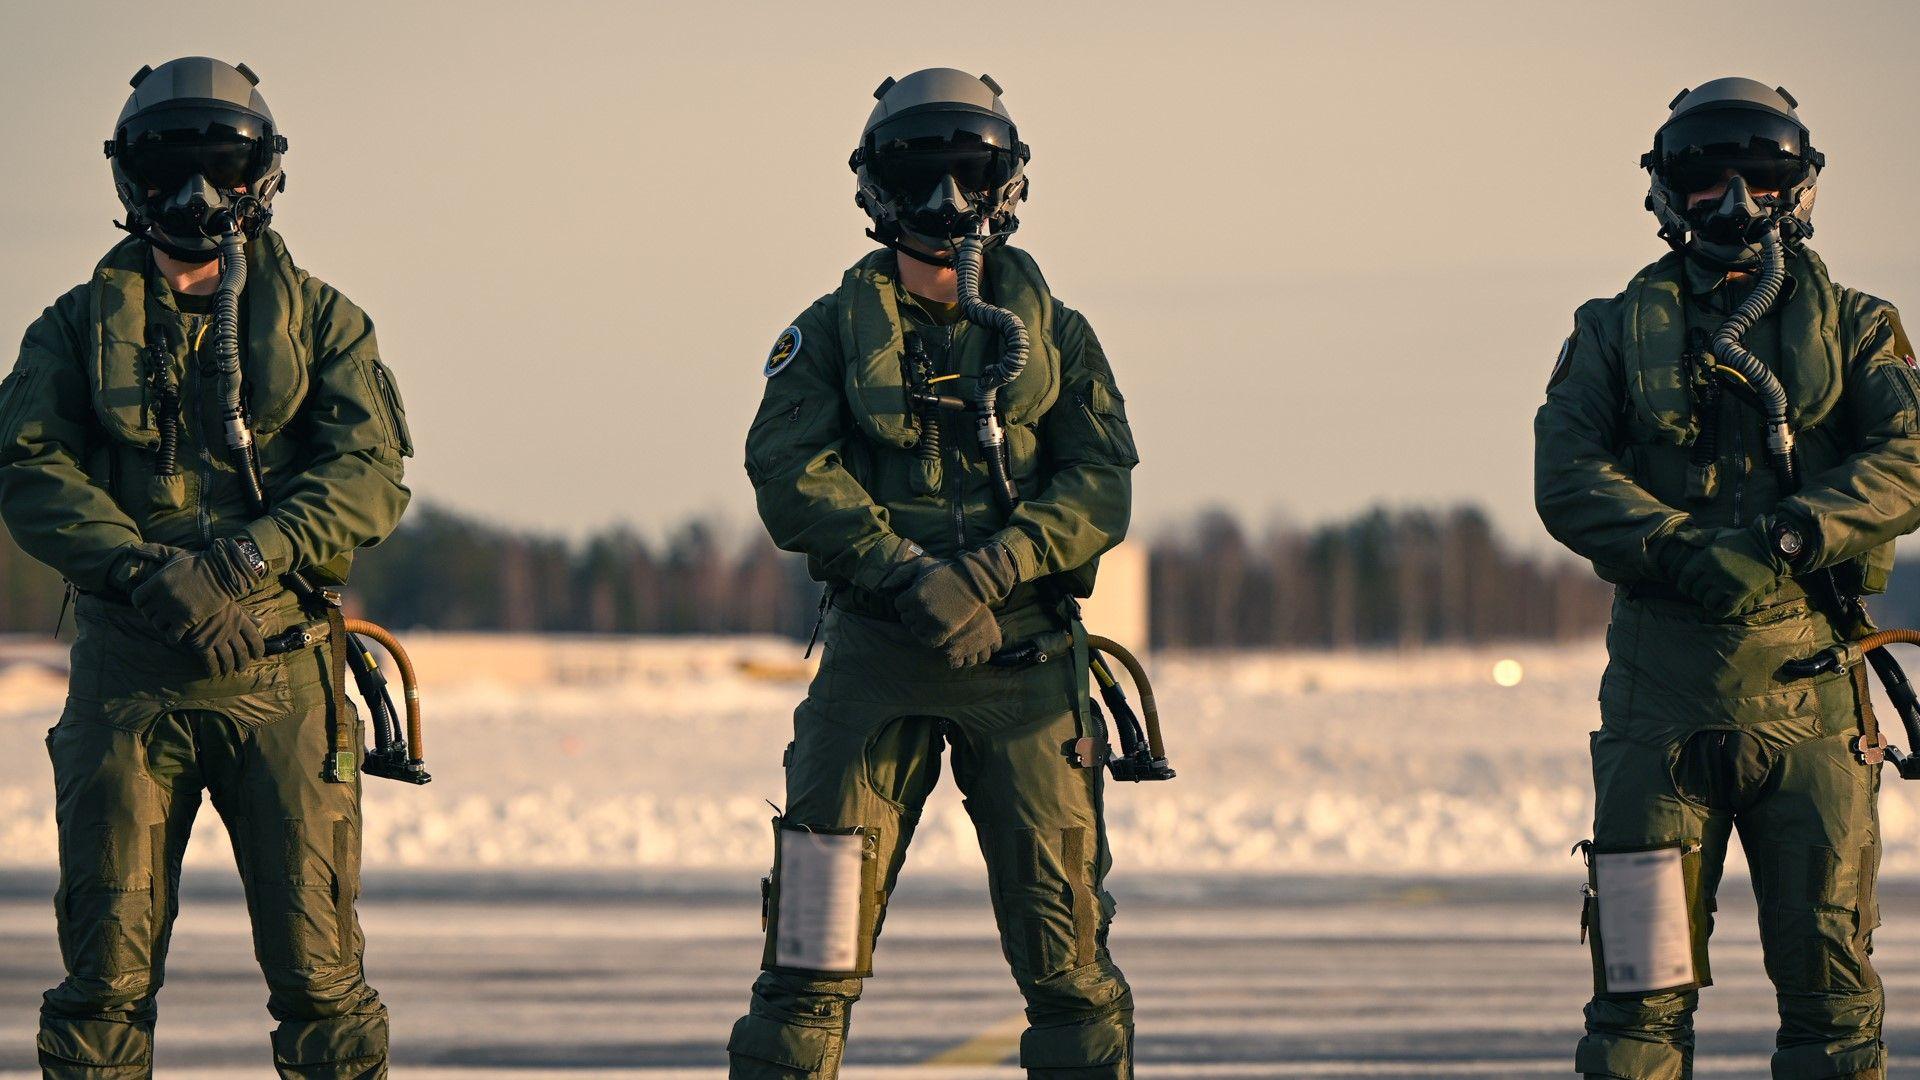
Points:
(894, 242)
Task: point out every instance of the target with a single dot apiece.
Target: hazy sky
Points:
(1331, 248)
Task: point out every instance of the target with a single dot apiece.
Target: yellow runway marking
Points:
(991, 1047)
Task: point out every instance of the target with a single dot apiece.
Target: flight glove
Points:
(950, 606)
(193, 599)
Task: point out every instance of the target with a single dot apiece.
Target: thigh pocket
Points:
(1049, 908)
(107, 908)
(301, 879)
(1646, 915)
(1818, 916)
(820, 902)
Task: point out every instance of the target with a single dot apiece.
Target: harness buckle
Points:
(1869, 753)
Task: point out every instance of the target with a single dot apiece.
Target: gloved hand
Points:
(1732, 571)
(136, 563)
(192, 599)
(902, 575)
(950, 606)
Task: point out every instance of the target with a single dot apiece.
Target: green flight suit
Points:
(842, 474)
(1700, 731)
(146, 729)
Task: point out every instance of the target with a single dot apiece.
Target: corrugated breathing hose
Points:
(969, 264)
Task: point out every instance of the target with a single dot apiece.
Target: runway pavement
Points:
(579, 977)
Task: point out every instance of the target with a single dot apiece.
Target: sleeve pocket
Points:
(1107, 409)
(387, 405)
(15, 392)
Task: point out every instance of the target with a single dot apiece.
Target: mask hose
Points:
(1748, 369)
(226, 360)
(969, 264)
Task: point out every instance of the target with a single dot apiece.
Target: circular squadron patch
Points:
(1562, 364)
(785, 348)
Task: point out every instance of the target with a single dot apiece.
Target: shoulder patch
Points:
(1564, 361)
(785, 348)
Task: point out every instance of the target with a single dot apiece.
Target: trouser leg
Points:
(840, 775)
(1814, 845)
(1646, 1036)
(296, 839)
(125, 807)
(1040, 826)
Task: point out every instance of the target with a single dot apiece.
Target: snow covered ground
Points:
(658, 756)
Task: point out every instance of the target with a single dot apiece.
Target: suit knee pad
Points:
(1099, 1050)
(94, 1049)
(339, 1046)
(762, 1048)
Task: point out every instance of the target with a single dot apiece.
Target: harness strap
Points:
(1870, 746)
(341, 763)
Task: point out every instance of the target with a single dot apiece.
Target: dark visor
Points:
(164, 150)
(1697, 151)
(914, 153)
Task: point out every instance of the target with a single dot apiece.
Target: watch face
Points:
(1788, 541)
(254, 558)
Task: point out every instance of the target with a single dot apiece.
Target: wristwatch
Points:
(251, 552)
(1788, 542)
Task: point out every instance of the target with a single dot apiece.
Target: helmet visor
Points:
(161, 152)
(1697, 151)
(912, 154)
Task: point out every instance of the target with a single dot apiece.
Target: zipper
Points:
(66, 604)
(826, 601)
(394, 412)
(1740, 455)
(201, 513)
(790, 408)
(956, 479)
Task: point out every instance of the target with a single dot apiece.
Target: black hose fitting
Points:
(926, 403)
(165, 395)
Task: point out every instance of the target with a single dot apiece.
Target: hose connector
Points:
(1842, 657)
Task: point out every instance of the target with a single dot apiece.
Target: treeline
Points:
(449, 572)
(1385, 578)
(1398, 578)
